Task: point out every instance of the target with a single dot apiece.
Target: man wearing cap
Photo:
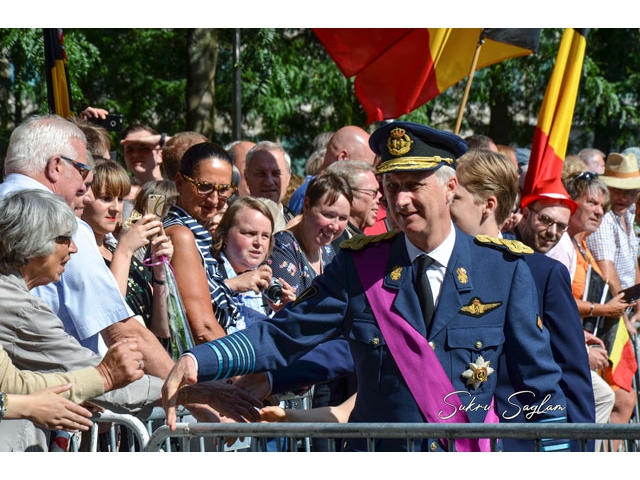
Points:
(421, 354)
(614, 244)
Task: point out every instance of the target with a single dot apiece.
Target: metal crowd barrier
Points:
(629, 433)
(112, 432)
(193, 436)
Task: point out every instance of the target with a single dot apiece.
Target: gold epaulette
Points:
(360, 241)
(514, 246)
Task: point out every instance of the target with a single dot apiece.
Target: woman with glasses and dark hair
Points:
(204, 184)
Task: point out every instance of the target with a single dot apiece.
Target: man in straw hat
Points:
(426, 347)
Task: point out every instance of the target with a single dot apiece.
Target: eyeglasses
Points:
(205, 189)
(549, 222)
(63, 240)
(83, 168)
(368, 191)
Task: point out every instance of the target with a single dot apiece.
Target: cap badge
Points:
(398, 142)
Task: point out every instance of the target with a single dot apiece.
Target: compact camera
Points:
(274, 290)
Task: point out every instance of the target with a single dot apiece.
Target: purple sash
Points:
(428, 382)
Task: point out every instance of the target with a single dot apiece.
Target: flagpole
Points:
(468, 86)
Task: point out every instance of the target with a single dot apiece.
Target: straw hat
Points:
(621, 171)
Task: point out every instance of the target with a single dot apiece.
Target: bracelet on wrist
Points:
(4, 403)
(591, 310)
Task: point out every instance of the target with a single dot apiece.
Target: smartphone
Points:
(113, 122)
(155, 205)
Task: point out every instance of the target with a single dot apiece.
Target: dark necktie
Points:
(424, 289)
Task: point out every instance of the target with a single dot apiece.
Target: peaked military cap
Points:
(408, 146)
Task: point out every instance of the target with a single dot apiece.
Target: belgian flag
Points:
(400, 69)
(551, 136)
(57, 73)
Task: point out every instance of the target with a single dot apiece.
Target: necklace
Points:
(582, 251)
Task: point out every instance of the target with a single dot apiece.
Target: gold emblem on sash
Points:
(476, 308)
(462, 275)
(398, 142)
(478, 372)
(539, 323)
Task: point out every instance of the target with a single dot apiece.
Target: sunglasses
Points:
(588, 176)
(83, 168)
(205, 189)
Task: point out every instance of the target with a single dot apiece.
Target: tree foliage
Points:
(291, 89)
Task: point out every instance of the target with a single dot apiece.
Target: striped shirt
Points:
(226, 312)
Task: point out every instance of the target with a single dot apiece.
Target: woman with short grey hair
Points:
(32, 222)
(36, 229)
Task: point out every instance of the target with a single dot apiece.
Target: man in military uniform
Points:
(409, 367)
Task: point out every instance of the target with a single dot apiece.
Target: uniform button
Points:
(375, 341)
(478, 344)
(432, 345)
(434, 446)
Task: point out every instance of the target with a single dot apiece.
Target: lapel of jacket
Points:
(458, 279)
(399, 276)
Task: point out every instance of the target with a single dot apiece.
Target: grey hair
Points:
(444, 174)
(268, 146)
(34, 142)
(30, 220)
(350, 169)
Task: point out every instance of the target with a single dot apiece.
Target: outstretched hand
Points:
(226, 398)
(49, 409)
(182, 374)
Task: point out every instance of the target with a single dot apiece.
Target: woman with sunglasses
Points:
(204, 184)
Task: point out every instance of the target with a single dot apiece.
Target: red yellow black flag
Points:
(400, 69)
(551, 136)
(57, 73)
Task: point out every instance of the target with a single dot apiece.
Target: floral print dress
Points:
(289, 262)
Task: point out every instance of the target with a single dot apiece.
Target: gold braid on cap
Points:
(412, 163)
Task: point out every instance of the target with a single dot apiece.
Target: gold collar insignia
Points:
(396, 273)
(462, 275)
